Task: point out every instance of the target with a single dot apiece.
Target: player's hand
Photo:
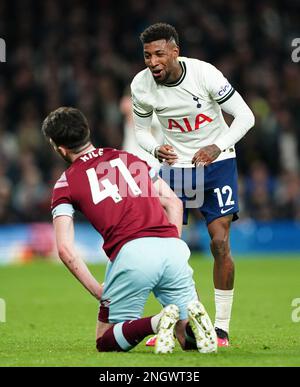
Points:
(206, 155)
(166, 153)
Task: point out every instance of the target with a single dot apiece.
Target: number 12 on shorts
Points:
(226, 190)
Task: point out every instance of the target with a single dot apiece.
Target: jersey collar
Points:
(178, 81)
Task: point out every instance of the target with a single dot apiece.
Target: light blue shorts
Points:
(144, 265)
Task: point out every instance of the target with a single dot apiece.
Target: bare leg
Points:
(223, 266)
(219, 231)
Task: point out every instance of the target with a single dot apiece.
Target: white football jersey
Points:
(188, 110)
(131, 145)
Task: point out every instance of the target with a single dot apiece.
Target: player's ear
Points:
(176, 52)
(62, 150)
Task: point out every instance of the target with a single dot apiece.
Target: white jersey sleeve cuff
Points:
(63, 209)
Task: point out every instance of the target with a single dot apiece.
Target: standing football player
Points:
(188, 96)
(139, 218)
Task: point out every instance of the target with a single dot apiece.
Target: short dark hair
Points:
(159, 31)
(67, 126)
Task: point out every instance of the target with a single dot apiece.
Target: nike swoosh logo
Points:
(223, 211)
(160, 110)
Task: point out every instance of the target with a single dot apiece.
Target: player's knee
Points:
(107, 343)
(103, 337)
(98, 344)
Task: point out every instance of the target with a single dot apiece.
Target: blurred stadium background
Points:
(85, 54)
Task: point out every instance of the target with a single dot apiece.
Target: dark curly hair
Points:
(159, 31)
(67, 126)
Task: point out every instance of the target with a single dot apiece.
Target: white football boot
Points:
(165, 339)
(204, 331)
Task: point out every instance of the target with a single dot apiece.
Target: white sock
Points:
(223, 301)
(155, 320)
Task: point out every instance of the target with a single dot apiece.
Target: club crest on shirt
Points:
(196, 99)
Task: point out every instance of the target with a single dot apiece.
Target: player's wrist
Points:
(220, 146)
(218, 149)
(155, 151)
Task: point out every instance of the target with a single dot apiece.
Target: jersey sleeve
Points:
(138, 106)
(217, 86)
(142, 117)
(243, 120)
(61, 203)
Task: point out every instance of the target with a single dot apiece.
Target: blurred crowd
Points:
(85, 53)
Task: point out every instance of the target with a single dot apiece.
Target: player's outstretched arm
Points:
(64, 233)
(170, 202)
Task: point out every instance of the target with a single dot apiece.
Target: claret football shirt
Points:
(115, 192)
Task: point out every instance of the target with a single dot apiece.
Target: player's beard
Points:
(163, 79)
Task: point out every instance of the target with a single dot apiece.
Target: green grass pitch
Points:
(50, 318)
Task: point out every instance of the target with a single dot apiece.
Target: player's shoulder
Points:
(129, 159)
(200, 70)
(123, 153)
(114, 152)
(142, 81)
(198, 64)
(62, 181)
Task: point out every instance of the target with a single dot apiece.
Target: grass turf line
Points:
(51, 318)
